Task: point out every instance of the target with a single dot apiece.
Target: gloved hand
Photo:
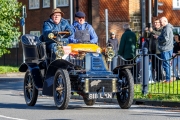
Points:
(55, 33)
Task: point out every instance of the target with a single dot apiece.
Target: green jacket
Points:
(127, 47)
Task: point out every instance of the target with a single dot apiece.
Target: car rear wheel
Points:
(30, 92)
(61, 89)
(126, 95)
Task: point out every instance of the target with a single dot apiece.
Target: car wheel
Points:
(30, 92)
(61, 89)
(126, 95)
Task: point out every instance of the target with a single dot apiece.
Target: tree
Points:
(10, 11)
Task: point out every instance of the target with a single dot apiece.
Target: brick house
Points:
(119, 12)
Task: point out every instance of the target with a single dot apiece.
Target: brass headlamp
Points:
(60, 51)
(109, 52)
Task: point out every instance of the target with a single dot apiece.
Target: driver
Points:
(54, 25)
(83, 32)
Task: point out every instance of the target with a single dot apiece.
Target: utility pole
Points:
(54, 4)
(143, 14)
(106, 20)
(71, 11)
(150, 14)
(22, 22)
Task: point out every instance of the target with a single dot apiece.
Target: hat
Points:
(57, 10)
(80, 14)
(112, 33)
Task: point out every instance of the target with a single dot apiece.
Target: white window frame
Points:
(176, 4)
(35, 4)
(62, 3)
(36, 33)
(46, 3)
(176, 29)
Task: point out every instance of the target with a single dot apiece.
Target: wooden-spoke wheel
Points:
(30, 92)
(61, 89)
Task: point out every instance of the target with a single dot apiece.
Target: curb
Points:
(14, 75)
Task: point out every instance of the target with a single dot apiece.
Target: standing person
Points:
(112, 40)
(165, 42)
(127, 47)
(153, 49)
(54, 25)
(176, 60)
(83, 32)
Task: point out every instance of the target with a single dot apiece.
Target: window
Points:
(34, 4)
(36, 33)
(46, 3)
(176, 30)
(61, 3)
(176, 4)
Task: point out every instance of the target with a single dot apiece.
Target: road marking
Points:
(2, 116)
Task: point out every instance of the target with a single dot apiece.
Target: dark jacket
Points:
(127, 48)
(114, 42)
(49, 26)
(165, 39)
(153, 42)
(176, 47)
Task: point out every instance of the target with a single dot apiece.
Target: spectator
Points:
(127, 47)
(114, 42)
(165, 42)
(83, 32)
(153, 49)
(176, 60)
(54, 25)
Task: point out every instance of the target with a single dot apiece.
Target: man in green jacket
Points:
(127, 47)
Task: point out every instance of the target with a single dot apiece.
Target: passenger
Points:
(54, 25)
(83, 32)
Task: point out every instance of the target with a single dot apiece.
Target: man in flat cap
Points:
(54, 25)
(83, 32)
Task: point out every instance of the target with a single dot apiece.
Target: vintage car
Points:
(81, 68)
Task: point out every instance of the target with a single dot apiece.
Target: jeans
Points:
(52, 48)
(166, 63)
(176, 64)
(150, 71)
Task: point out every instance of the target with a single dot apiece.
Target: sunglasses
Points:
(80, 17)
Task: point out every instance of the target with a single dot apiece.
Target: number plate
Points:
(99, 95)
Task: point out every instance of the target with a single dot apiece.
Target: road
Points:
(13, 107)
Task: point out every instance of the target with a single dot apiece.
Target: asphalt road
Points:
(13, 107)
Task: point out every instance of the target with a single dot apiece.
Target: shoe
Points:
(151, 82)
(164, 81)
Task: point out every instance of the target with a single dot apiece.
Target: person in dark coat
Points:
(114, 42)
(176, 60)
(153, 49)
(127, 47)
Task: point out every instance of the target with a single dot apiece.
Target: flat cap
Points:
(80, 14)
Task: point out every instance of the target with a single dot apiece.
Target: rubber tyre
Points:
(30, 92)
(126, 96)
(90, 102)
(61, 81)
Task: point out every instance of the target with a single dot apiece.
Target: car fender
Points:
(35, 72)
(49, 78)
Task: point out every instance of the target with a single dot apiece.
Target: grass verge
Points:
(8, 69)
